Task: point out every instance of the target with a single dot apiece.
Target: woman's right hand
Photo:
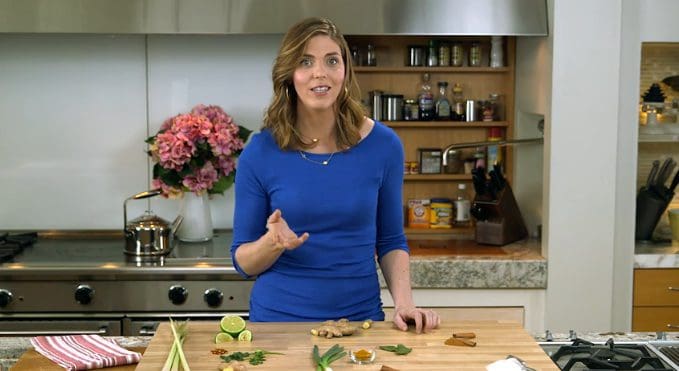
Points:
(280, 234)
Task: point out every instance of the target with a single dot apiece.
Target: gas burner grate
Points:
(584, 355)
(12, 245)
(672, 353)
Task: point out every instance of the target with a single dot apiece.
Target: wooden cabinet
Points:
(656, 300)
(392, 76)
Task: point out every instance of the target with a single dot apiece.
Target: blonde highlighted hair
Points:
(281, 115)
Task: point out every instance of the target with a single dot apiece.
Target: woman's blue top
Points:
(352, 209)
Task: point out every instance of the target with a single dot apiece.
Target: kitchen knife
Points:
(659, 181)
(651, 174)
(500, 177)
(479, 181)
(675, 181)
(495, 180)
(666, 174)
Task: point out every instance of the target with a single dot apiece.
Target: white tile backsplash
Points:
(74, 118)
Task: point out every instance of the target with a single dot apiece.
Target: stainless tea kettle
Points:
(149, 235)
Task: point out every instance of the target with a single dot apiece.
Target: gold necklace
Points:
(325, 162)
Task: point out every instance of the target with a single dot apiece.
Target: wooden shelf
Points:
(656, 138)
(446, 124)
(361, 69)
(436, 177)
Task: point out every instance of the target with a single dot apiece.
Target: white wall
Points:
(581, 140)
(74, 118)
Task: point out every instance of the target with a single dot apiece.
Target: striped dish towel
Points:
(83, 352)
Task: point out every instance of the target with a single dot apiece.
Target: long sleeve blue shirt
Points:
(352, 209)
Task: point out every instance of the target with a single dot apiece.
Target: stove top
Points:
(584, 355)
(79, 255)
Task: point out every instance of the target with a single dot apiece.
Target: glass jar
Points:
(475, 55)
(454, 162)
(444, 54)
(487, 111)
(410, 110)
(456, 55)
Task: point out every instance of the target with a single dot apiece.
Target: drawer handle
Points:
(101, 331)
(147, 331)
(672, 288)
(669, 325)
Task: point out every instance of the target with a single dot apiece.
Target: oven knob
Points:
(177, 294)
(84, 294)
(213, 297)
(5, 298)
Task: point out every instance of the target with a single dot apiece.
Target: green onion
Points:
(331, 355)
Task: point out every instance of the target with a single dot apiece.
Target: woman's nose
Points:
(319, 71)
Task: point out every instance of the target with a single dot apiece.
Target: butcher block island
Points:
(495, 340)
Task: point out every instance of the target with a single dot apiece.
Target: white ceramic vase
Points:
(197, 223)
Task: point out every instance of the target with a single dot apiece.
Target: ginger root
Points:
(331, 329)
(367, 324)
(234, 366)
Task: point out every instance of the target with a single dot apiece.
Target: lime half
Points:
(232, 324)
(245, 335)
(223, 337)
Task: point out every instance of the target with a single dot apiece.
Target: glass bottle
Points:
(425, 100)
(442, 103)
(457, 110)
(371, 59)
(462, 206)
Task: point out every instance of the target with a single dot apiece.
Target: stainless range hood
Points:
(358, 17)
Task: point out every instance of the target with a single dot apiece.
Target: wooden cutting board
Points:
(495, 340)
(34, 361)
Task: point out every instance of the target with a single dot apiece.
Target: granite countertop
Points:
(656, 255)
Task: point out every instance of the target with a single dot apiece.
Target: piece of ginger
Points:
(234, 366)
(367, 324)
(331, 329)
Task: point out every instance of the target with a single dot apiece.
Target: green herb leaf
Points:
(399, 349)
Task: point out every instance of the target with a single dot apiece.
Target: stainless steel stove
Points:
(578, 354)
(84, 283)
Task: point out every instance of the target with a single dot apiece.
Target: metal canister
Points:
(376, 100)
(393, 107)
(415, 56)
(456, 55)
(471, 110)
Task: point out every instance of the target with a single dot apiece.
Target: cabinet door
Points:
(656, 287)
(508, 314)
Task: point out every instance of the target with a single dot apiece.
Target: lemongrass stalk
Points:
(178, 342)
(169, 362)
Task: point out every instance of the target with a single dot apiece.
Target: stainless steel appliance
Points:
(579, 354)
(87, 284)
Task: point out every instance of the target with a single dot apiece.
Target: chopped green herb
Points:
(399, 349)
(255, 358)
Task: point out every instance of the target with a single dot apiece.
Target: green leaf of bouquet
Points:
(150, 140)
(244, 133)
(222, 184)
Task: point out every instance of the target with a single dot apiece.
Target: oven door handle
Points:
(147, 331)
(102, 331)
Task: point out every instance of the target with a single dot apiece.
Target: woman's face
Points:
(319, 76)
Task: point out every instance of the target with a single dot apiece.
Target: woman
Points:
(318, 194)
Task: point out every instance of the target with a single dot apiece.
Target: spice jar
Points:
(456, 55)
(410, 110)
(475, 55)
(487, 111)
(444, 54)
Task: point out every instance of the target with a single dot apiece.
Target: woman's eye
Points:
(333, 61)
(305, 62)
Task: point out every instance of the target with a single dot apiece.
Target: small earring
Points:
(346, 90)
(287, 93)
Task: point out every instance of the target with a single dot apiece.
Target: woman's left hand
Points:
(424, 319)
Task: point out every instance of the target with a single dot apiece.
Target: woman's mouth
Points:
(320, 89)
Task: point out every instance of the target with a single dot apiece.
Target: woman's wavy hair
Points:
(281, 115)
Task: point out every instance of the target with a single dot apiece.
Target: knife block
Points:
(504, 223)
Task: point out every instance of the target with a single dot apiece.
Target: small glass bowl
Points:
(362, 356)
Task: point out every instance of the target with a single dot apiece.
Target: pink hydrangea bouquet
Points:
(196, 152)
